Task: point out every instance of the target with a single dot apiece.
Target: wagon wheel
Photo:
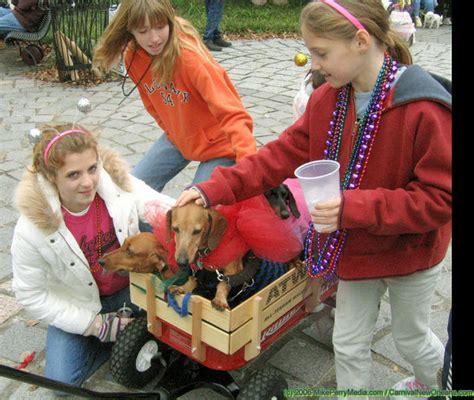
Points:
(137, 356)
(32, 54)
(265, 384)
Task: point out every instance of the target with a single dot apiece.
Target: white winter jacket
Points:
(51, 276)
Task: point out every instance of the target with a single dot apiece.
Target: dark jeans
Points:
(72, 358)
(214, 13)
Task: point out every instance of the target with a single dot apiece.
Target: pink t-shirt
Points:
(84, 229)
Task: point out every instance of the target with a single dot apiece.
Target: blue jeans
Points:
(214, 13)
(8, 22)
(164, 161)
(72, 358)
(429, 5)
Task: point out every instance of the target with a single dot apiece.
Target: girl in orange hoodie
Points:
(184, 89)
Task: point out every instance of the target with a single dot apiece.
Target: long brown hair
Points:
(73, 143)
(132, 15)
(322, 20)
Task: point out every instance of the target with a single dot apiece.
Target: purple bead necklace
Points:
(326, 260)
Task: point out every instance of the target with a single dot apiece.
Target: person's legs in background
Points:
(160, 164)
(206, 168)
(212, 36)
(444, 9)
(429, 5)
(416, 13)
(8, 23)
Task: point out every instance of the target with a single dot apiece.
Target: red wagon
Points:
(210, 342)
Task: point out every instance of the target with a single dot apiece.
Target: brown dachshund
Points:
(197, 231)
(139, 253)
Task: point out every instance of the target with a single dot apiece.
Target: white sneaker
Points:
(410, 388)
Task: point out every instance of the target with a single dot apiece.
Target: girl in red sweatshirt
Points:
(388, 123)
(184, 89)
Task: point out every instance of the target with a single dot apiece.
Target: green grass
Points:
(242, 17)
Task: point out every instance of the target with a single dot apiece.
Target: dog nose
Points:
(182, 261)
(183, 265)
(101, 262)
(285, 214)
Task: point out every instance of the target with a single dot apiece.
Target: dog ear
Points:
(218, 227)
(168, 224)
(292, 203)
(157, 260)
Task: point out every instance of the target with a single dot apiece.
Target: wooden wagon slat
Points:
(225, 341)
(230, 321)
(269, 315)
(210, 335)
(220, 319)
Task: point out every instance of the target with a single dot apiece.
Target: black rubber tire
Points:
(31, 54)
(265, 384)
(125, 352)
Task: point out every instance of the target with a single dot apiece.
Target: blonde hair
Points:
(322, 20)
(131, 15)
(73, 143)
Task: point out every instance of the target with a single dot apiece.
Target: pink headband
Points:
(341, 10)
(55, 139)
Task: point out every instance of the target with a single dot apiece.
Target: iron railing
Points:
(77, 26)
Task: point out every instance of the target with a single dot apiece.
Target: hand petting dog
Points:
(188, 196)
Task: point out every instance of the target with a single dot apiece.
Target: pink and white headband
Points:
(341, 10)
(55, 139)
(35, 135)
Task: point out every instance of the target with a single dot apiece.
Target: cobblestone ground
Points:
(267, 79)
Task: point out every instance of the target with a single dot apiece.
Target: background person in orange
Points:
(185, 90)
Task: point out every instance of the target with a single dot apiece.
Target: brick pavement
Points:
(267, 79)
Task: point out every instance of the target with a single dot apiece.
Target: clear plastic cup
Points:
(319, 181)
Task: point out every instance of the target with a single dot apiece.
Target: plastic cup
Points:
(319, 181)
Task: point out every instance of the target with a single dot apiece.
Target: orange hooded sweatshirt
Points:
(200, 110)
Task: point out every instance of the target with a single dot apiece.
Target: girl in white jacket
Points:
(76, 202)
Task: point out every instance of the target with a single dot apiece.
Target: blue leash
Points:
(181, 311)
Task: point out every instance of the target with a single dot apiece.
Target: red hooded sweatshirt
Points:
(399, 220)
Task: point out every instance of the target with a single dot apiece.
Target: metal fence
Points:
(77, 25)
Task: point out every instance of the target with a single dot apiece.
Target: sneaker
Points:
(211, 46)
(447, 21)
(412, 385)
(418, 23)
(221, 42)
